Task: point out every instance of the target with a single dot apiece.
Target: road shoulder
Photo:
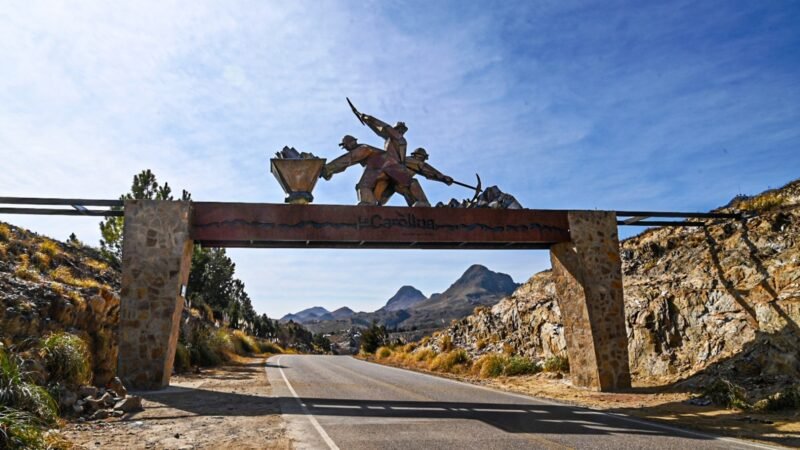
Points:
(226, 407)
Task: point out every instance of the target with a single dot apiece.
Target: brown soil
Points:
(666, 404)
(226, 407)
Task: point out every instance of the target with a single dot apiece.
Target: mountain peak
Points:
(405, 297)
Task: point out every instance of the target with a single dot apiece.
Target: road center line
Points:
(332, 445)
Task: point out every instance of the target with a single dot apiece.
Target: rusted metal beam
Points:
(335, 226)
(58, 201)
(62, 212)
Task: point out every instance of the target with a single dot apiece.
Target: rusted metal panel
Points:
(336, 226)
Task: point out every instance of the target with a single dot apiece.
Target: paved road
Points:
(341, 402)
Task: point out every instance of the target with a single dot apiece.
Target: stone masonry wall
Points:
(156, 258)
(588, 280)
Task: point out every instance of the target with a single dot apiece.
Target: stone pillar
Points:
(588, 279)
(156, 256)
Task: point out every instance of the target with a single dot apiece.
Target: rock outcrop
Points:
(48, 286)
(721, 297)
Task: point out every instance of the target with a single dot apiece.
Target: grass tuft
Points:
(271, 347)
(447, 362)
(99, 266)
(67, 359)
(64, 275)
(5, 232)
(383, 352)
(762, 202)
(18, 393)
(49, 248)
(520, 365)
(489, 366)
(20, 429)
(23, 270)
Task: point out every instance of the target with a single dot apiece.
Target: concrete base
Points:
(588, 278)
(156, 258)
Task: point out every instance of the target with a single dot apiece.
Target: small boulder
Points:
(87, 391)
(91, 405)
(116, 385)
(107, 399)
(66, 399)
(129, 404)
(77, 409)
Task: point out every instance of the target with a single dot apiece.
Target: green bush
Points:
(17, 392)
(490, 366)
(556, 363)
(67, 360)
(519, 365)
(270, 347)
(383, 352)
(183, 359)
(209, 347)
(727, 394)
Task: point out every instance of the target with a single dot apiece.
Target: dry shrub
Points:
(446, 343)
(481, 344)
(762, 202)
(23, 270)
(49, 248)
(64, 275)
(95, 264)
(270, 347)
(508, 349)
(425, 354)
(42, 261)
(3, 250)
(244, 344)
(76, 297)
(408, 348)
(5, 232)
(383, 352)
(449, 361)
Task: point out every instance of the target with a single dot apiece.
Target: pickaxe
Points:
(477, 188)
(355, 111)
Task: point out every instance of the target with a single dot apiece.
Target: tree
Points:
(373, 337)
(145, 186)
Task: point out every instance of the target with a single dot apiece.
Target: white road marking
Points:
(332, 445)
(586, 410)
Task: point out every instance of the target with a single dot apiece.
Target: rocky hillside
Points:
(49, 286)
(721, 297)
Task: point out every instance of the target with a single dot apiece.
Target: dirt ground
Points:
(665, 404)
(226, 407)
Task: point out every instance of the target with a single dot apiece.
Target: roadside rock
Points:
(129, 404)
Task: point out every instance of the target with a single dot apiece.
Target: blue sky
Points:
(611, 105)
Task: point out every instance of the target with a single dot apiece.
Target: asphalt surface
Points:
(334, 402)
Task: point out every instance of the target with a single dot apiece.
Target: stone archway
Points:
(159, 235)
